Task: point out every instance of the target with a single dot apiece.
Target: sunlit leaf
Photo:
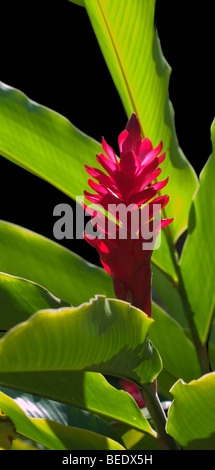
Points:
(35, 406)
(43, 354)
(20, 298)
(44, 142)
(191, 416)
(54, 435)
(104, 335)
(198, 256)
(85, 390)
(66, 275)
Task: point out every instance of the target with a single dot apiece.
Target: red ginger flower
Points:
(128, 181)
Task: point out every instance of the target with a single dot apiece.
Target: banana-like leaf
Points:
(66, 275)
(20, 298)
(129, 43)
(104, 335)
(54, 435)
(44, 142)
(198, 256)
(38, 407)
(54, 348)
(85, 390)
(191, 416)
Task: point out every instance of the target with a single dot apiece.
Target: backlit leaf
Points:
(191, 416)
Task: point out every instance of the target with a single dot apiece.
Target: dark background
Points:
(49, 51)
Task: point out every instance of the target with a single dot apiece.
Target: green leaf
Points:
(177, 351)
(131, 48)
(25, 254)
(105, 335)
(198, 256)
(44, 142)
(54, 435)
(20, 298)
(86, 390)
(191, 416)
(49, 353)
(38, 407)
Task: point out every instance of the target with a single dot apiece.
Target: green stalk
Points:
(152, 402)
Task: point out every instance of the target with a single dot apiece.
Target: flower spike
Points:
(129, 193)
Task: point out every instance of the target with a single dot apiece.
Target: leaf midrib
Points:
(119, 62)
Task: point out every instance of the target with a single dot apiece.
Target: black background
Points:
(49, 51)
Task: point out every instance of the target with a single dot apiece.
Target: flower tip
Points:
(134, 130)
(133, 123)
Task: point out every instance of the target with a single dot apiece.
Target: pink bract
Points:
(131, 181)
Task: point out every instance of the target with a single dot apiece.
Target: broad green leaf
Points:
(191, 416)
(131, 48)
(54, 347)
(66, 275)
(54, 435)
(38, 407)
(198, 256)
(104, 335)
(178, 353)
(86, 390)
(44, 142)
(20, 298)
